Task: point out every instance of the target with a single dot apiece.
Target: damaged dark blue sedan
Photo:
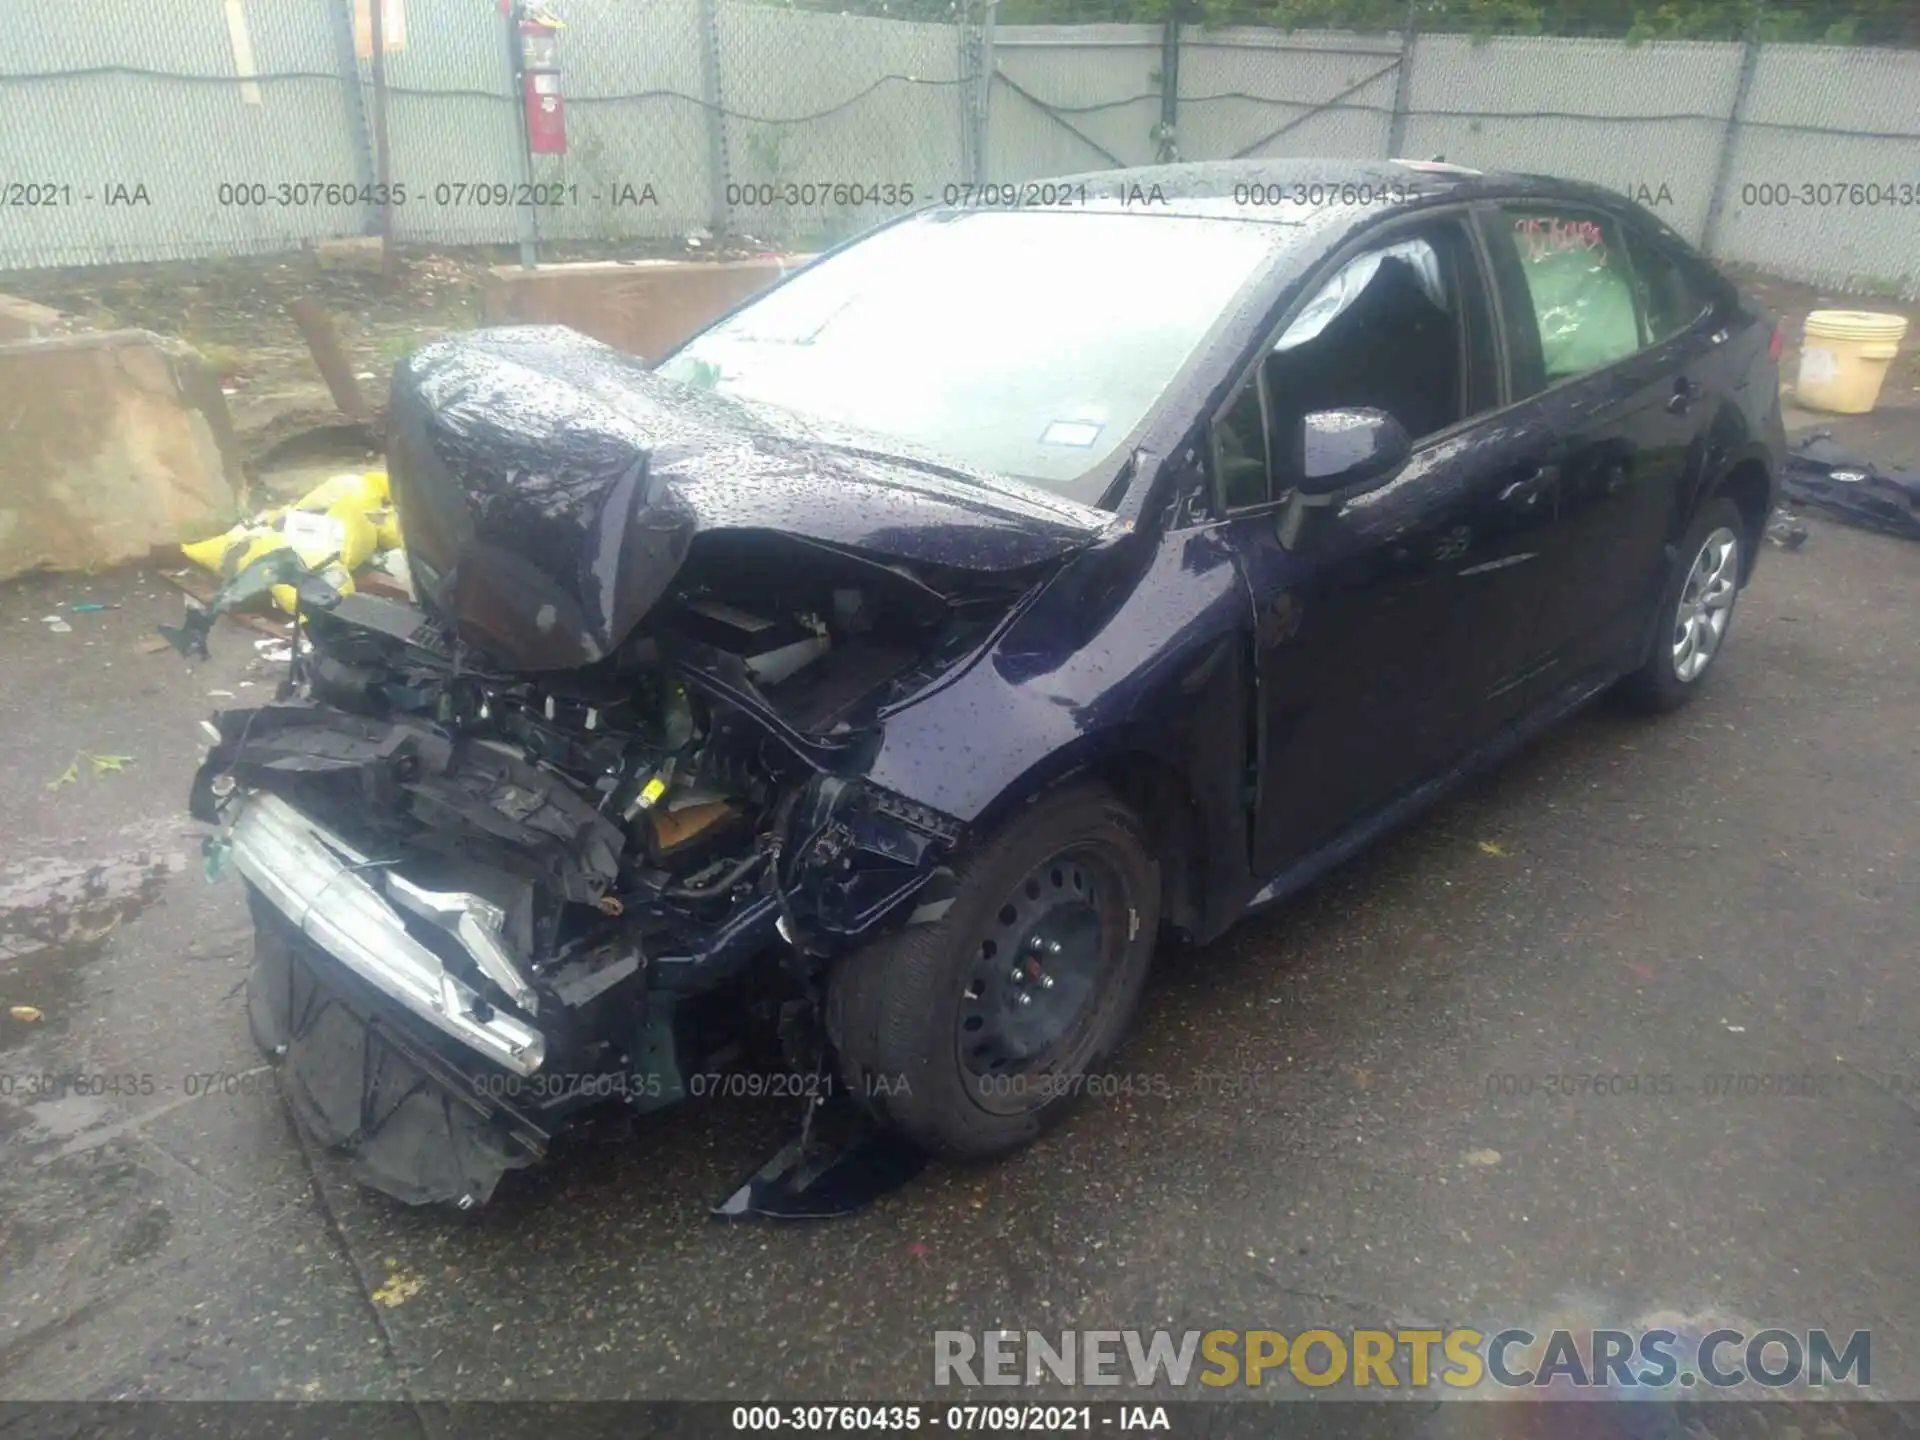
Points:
(874, 682)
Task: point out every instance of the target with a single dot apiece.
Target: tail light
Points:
(1773, 345)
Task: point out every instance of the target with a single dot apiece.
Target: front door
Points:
(1386, 641)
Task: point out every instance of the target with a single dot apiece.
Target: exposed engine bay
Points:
(586, 851)
(493, 893)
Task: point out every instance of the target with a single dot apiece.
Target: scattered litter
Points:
(57, 625)
(1786, 531)
(90, 607)
(1735, 1029)
(27, 1014)
(1850, 488)
(279, 652)
(102, 765)
(1491, 848)
(221, 694)
(397, 1291)
(1482, 1157)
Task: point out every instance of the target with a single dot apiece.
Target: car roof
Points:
(1282, 191)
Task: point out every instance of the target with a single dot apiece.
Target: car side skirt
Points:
(1364, 832)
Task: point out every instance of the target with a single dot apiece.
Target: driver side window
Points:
(1396, 328)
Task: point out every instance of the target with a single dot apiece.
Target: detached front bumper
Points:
(314, 877)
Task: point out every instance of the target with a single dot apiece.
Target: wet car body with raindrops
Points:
(734, 721)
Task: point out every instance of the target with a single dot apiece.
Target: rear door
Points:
(1620, 407)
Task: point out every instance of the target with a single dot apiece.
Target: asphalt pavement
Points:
(1351, 1112)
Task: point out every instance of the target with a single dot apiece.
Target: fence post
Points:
(522, 143)
(1166, 133)
(719, 213)
(1403, 82)
(382, 155)
(976, 87)
(1729, 137)
(356, 106)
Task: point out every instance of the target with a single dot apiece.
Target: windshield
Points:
(1029, 343)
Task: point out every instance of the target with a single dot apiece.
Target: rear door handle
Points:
(1526, 493)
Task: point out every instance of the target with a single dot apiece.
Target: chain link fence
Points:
(139, 130)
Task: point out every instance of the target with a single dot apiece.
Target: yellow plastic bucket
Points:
(1844, 359)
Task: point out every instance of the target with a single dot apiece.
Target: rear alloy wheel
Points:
(973, 1034)
(1696, 609)
(1706, 605)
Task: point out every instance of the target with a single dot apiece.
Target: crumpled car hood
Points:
(549, 487)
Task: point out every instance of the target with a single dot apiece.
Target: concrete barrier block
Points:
(357, 252)
(644, 307)
(111, 444)
(25, 320)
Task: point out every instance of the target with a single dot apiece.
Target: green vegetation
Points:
(1838, 22)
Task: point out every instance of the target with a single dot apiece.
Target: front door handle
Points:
(1526, 493)
(1684, 392)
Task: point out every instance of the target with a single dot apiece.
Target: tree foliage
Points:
(1838, 22)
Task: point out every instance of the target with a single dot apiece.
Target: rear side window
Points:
(1672, 296)
(1579, 287)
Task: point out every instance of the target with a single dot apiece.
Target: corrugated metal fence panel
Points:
(834, 100)
(1597, 110)
(1792, 205)
(453, 125)
(1238, 86)
(180, 139)
(1102, 80)
(635, 122)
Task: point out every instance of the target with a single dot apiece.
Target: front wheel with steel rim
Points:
(1696, 608)
(975, 1032)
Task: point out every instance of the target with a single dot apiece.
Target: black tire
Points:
(1658, 684)
(895, 1009)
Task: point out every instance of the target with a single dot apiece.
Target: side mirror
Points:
(1343, 453)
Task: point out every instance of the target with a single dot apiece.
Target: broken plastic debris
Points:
(1786, 531)
(26, 1013)
(334, 529)
(57, 625)
(273, 568)
(90, 606)
(1492, 848)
